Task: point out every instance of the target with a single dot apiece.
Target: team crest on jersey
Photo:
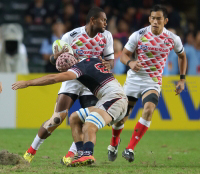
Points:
(168, 41)
(78, 51)
(101, 67)
(101, 43)
(143, 47)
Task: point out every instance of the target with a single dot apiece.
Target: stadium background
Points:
(30, 107)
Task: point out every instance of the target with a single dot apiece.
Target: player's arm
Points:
(109, 64)
(57, 53)
(45, 80)
(126, 60)
(182, 61)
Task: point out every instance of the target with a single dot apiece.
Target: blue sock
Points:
(88, 148)
(79, 146)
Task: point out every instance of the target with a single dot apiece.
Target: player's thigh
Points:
(131, 103)
(115, 105)
(65, 101)
(87, 101)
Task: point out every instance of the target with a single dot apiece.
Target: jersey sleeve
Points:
(65, 37)
(132, 43)
(178, 46)
(78, 69)
(108, 52)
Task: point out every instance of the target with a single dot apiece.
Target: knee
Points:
(148, 111)
(74, 118)
(121, 122)
(89, 127)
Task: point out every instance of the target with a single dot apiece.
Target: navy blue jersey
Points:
(92, 74)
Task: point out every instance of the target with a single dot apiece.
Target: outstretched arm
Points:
(45, 80)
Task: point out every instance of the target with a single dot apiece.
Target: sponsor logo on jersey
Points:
(73, 34)
(143, 47)
(142, 31)
(81, 52)
(78, 51)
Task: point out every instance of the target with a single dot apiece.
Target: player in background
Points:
(0, 87)
(110, 108)
(151, 46)
(91, 40)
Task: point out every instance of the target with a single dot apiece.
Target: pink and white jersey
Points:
(153, 51)
(86, 47)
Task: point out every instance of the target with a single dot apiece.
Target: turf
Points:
(159, 152)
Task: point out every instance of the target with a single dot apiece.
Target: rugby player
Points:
(151, 46)
(91, 40)
(111, 106)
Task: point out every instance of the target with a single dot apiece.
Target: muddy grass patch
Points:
(7, 158)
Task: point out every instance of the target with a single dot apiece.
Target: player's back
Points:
(92, 74)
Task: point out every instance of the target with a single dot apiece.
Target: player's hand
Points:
(180, 86)
(135, 65)
(19, 85)
(58, 53)
(0, 87)
(106, 63)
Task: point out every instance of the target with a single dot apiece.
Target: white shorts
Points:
(115, 105)
(136, 85)
(74, 87)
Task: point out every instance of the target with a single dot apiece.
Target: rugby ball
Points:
(60, 44)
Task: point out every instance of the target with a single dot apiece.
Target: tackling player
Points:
(88, 41)
(151, 46)
(111, 106)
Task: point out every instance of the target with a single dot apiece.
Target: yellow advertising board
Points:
(174, 112)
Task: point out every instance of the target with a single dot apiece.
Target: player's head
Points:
(96, 17)
(158, 19)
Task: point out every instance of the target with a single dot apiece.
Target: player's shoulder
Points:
(73, 33)
(142, 31)
(139, 33)
(170, 34)
(107, 33)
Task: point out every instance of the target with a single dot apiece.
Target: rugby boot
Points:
(128, 154)
(113, 151)
(67, 160)
(83, 161)
(28, 157)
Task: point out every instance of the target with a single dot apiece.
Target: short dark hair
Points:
(94, 12)
(160, 8)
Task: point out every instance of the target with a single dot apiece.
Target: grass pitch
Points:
(159, 152)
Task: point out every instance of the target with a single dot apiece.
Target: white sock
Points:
(73, 148)
(144, 122)
(37, 142)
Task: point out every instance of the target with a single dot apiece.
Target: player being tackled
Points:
(85, 123)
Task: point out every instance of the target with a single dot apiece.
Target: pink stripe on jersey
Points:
(78, 71)
(102, 84)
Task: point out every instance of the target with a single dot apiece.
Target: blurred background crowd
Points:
(29, 27)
